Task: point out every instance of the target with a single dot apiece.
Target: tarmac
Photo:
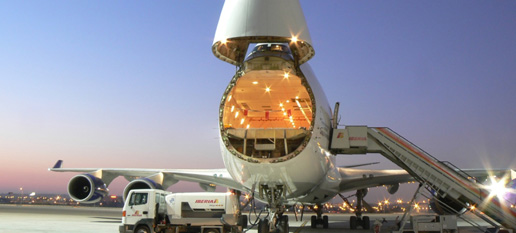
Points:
(57, 219)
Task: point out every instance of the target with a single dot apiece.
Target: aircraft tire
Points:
(242, 221)
(313, 221)
(325, 221)
(353, 222)
(283, 224)
(366, 223)
(263, 226)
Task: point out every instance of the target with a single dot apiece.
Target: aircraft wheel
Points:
(283, 224)
(313, 222)
(325, 221)
(242, 221)
(142, 229)
(353, 222)
(263, 226)
(366, 223)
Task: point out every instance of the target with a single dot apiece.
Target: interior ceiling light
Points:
(267, 89)
(255, 82)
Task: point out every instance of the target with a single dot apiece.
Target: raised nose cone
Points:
(258, 21)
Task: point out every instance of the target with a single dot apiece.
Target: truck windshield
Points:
(138, 199)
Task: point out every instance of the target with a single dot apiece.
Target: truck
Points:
(154, 210)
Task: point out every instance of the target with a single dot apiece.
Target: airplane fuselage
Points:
(275, 124)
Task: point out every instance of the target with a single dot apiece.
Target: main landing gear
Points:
(355, 221)
(358, 219)
(319, 219)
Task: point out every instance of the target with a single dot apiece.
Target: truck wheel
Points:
(211, 230)
(142, 229)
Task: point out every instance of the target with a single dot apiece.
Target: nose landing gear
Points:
(276, 220)
(278, 224)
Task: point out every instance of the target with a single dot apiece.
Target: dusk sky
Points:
(134, 84)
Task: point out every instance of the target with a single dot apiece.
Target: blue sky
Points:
(135, 84)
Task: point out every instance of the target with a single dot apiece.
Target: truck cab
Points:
(143, 209)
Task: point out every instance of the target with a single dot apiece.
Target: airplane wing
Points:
(205, 177)
(354, 179)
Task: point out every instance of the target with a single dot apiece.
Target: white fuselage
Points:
(309, 177)
(304, 168)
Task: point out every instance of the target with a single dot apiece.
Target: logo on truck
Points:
(212, 201)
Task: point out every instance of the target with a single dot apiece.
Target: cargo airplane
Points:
(275, 124)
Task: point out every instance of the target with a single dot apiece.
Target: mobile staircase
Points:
(445, 179)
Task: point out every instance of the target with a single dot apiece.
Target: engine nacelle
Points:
(87, 188)
(446, 205)
(143, 183)
(392, 189)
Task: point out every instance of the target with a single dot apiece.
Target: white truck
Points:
(153, 210)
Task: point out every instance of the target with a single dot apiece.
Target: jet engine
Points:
(143, 183)
(87, 188)
(445, 205)
(392, 189)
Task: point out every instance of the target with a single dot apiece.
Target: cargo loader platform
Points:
(446, 180)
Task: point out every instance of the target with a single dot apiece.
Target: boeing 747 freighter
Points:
(276, 125)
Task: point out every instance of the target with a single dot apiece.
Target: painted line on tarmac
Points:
(302, 225)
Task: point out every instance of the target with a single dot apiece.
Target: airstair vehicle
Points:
(446, 180)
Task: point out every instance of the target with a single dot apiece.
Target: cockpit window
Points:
(272, 49)
(260, 48)
(277, 47)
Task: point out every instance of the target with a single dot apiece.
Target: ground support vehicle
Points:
(153, 210)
